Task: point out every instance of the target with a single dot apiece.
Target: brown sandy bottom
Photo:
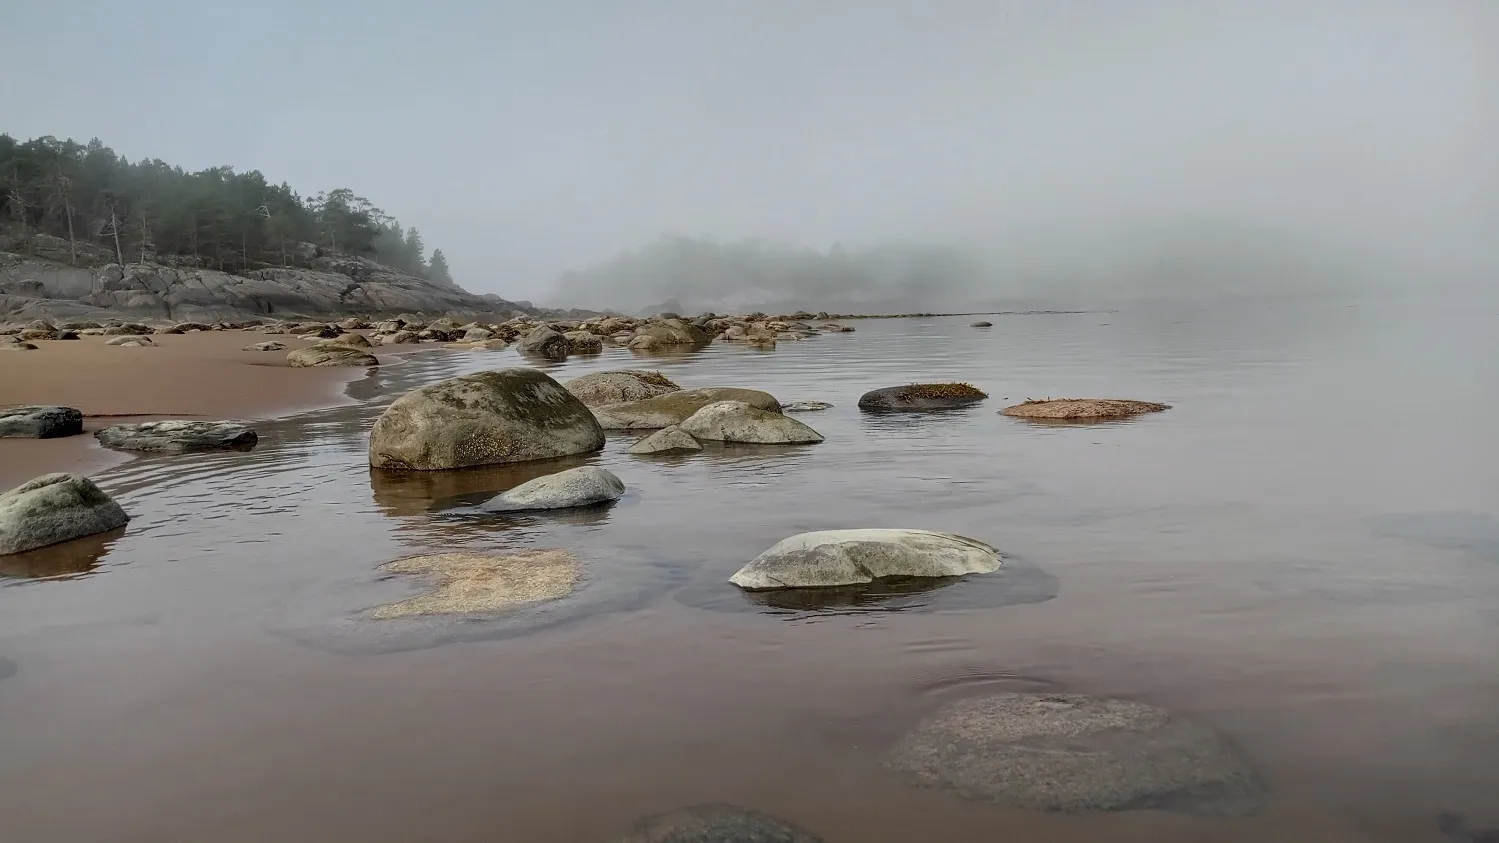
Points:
(200, 375)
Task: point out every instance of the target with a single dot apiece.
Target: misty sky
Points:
(525, 138)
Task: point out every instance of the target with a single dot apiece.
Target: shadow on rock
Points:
(61, 561)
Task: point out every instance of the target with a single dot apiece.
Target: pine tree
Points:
(437, 268)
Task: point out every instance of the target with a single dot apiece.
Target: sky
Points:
(528, 138)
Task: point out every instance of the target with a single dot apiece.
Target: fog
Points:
(831, 152)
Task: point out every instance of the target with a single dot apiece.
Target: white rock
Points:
(850, 557)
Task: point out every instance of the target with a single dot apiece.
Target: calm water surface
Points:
(1304, 553)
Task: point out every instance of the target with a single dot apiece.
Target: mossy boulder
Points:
(921, 397)
(615, 387)
(55, 508)
(676, 407)
(674, 332)
(510, 415)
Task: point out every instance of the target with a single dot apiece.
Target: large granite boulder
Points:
(510, 415)
(714, 823)
(1075, 753)
(328, 356)
(736, 421)
(55, 508)
(545, 343)
(675, 407)
(39, 422)
(673, 332)
(601, 388)
(852, 557)
(583, 486)
(921, 397)
(178, 437)
(583, 342)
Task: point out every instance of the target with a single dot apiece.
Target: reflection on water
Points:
(61, 561)
(1239, 558)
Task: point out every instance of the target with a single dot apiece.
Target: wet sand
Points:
(202, 375)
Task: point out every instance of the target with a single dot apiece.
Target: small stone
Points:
(667, 440)
(575, 487)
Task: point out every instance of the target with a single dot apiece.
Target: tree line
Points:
(85, 193)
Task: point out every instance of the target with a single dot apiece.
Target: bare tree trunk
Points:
(119, 255)
(72, 241)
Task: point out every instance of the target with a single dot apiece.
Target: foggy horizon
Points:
(1082, 149)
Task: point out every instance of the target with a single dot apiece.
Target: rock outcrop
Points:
(736, 421)
(178, 437)
(55, 508)
(584, 486)
(510, 415)
(675, 407)
(1074, 753)
(853, 557)
(617, 387)
(39, 422)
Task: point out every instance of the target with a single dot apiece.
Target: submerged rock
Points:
(545, 343)
(921, 397)
(851, 557)
(616, 387)
(583, 486)
(55, 508)
(468, 583)
(510, 415)
(675, 407)
(39, 422)
(1082, 408)
(268, 345)
(321, 356)
(667, 440)
(1069, 752)
(178, 437)
(736, 421)
(805, 406)
(714, 823)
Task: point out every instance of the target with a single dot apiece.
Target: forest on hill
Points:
(219, 218)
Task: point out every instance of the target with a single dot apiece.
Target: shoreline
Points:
(202, 375)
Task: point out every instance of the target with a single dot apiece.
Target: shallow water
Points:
(1303, 553)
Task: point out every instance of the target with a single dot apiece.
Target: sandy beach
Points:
(199, 375)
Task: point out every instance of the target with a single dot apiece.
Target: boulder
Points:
(1075, 753)
(55, 508)
(351, 340)
(805, 406)
(39, 422)
(545, 343)
(584, 486)
(667, 440)
(269, 345)
(835, 328)
(510, 415)
(615, 387)
(736, 421)
(714, 823)
(982, 324)
(673, 332)
(178, 437)
(321, 356)
(852, 557)
(472, 583)
(582, 342)
(1082, 409)
(131, 341)
(921, 397)
(477, 335)
(13, 344)
(400, 338)
(676, 407)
